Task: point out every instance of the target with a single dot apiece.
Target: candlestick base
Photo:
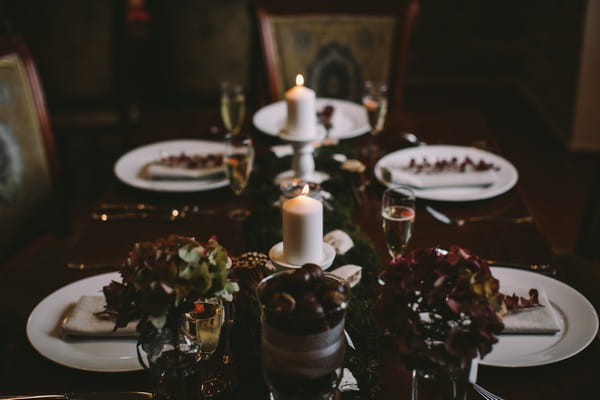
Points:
(290, 175)
(303, 162)
(278, 257)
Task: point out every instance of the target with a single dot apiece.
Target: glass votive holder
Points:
(295, 187)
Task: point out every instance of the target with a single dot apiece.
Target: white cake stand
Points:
(303, 162)
(278, 258)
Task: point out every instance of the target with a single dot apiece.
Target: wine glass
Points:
(233, 106)
(203, 324)
(398, 212)
(375, 102)
(238, 159)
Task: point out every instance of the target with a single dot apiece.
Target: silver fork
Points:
(486, 394)
(461, 221)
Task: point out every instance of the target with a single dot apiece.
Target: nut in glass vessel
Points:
(302, 323)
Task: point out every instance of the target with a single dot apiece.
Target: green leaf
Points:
(190, 253)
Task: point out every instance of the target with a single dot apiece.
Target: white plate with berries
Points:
(174, 166)
(448, 173)
(347, 119)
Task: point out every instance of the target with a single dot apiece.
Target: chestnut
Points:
(282, 302)
(309, 309)
(332, 299)
(315, 271)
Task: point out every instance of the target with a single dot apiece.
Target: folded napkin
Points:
(284, 150)
(531, 320)
(350, 273)
(159, 171)
(426, 180)
(340, 241)
(348, 382)
(83, 320)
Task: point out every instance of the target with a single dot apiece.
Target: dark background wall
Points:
(88, 49)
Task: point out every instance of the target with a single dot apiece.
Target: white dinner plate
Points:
(507, 175)
(579, 324)
(129, 167)
(349, 119)
(89, 354)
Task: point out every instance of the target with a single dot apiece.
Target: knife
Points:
(83, 267)
(83, 396)
(545, 269)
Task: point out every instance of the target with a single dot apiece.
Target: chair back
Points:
(336, 45)
(28, 162)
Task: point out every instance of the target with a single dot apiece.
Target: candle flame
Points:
(299, 80)
(305, 190)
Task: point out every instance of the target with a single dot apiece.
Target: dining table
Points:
(24, 371)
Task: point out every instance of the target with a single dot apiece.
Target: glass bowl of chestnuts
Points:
(302, 330)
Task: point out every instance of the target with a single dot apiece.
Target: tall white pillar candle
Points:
(301, 111)
(302, 230)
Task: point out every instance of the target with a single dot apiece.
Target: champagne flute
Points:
(203, 325)
(233, 106)
(238, 158)
(375, 102)
(398, 212)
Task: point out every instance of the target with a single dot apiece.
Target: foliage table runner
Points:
(263, 229)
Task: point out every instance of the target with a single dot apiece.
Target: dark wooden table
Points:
(23, 370)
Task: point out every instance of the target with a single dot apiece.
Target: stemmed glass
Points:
(375, 102)
(203, 324)
(238, 159)
(398, 212)
(233, 106)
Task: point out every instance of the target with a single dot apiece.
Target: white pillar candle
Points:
(301, 111)
(302, 230)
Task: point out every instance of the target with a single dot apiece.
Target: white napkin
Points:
(83, 320)
(339, 240)
(531, 320)
(426, 180)
(348, 381)
(282, 150)
(350, 273)
(159, 171)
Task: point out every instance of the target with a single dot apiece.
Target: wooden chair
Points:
(28, 162)
(336, 44)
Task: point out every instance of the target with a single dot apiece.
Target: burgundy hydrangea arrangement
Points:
(440, 306)
(161, 279)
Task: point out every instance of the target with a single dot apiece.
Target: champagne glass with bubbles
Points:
(398, 212)
(233, 106)
(238, 159)
(375, 102)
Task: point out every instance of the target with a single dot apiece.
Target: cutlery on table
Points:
(113, 212)
(545, 269)
(83, 396)
(84, 267)
(143, 207)
(486, 394)
(412, 139)
(461, 221)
